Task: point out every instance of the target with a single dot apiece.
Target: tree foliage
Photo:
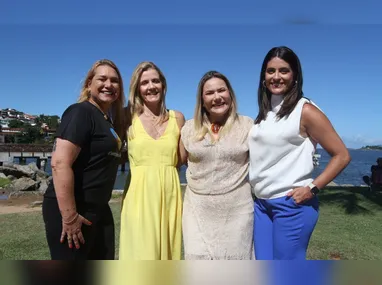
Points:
(15, 124)
(51, 121)
(30, 134)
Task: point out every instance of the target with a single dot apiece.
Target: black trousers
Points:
(99, 237)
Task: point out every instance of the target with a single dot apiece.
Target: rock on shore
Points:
(24, 178)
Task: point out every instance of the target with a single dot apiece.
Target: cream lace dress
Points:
(218, 205)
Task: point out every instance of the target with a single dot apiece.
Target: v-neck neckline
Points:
(143, 126)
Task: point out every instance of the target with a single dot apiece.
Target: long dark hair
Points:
(292, 96)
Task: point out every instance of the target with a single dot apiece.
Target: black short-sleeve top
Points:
(96, 166)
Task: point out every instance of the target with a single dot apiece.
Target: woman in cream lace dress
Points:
(218, 205)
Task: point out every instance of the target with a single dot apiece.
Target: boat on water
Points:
(316, 159)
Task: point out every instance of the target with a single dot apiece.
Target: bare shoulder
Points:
(179, 115)
(179, 118)
(311, 112)
(314, 121)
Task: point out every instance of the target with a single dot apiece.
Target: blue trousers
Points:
(282, 228)
(298, 272)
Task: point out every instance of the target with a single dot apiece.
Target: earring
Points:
(264, 84)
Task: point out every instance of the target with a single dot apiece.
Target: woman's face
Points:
(105, 85)
(216, 98)
(278, 76)
(151, 87)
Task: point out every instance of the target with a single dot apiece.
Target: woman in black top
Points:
(85, 159)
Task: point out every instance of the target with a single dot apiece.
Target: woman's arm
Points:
(124, 155)
(63, 156)
(182, 153)
(318, 127)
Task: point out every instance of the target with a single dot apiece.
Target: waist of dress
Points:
(216, 191)
(154, 165)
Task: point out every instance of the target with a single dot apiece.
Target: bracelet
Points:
(313, 189)
(72, 221)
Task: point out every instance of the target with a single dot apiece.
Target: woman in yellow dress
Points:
(152, 206)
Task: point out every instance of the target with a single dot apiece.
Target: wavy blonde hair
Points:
(116, 110)
(136, 102)
(201, 121)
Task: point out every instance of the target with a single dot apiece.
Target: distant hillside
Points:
(11, 118)
(372, 147)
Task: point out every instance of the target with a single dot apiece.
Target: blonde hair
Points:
(136, 103)
(116, 110)
(201, 121)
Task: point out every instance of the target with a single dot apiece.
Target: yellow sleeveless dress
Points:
(151, 214)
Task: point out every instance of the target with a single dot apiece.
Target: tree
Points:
(15, 124)
(51, 121)
(31, 134)
(9, 139)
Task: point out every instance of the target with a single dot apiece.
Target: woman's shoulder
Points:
(188, 126)
(244, 118)
(188, 123)
(78, 109)
(305, 100)
(308, 105)
(176, 114)
(78, 106)
(246, 121)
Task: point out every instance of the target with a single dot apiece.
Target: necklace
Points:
(215, 128)
(99, 108)
(151, 116)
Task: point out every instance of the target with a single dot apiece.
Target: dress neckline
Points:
(276, 102)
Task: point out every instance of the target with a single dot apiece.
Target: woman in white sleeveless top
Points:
(282, 144)
(218, 205)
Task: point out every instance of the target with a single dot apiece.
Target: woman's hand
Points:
(300, 194)
(72, 230)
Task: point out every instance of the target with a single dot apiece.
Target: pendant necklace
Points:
(154, 120)
(215, 128)
(103, 113)
(151, 116)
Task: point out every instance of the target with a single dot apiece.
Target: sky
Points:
(47, 47)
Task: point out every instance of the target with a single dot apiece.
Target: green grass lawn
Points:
(4, 181)
(349, 228)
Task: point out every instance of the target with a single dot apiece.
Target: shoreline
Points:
(32, 201)
(330, 185)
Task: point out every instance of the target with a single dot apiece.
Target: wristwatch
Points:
(313, 189)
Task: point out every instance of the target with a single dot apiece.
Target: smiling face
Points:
(105, 85)
(278, 76)
(216, 98)
(151, 87)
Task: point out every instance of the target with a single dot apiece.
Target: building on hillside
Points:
(8, 114)
(4, 122)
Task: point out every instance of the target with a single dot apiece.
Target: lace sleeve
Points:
(186, 133)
